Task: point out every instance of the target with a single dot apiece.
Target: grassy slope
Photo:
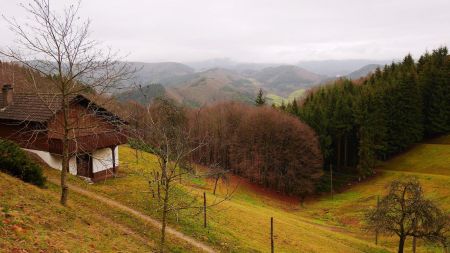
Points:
(324, 225)
(277, 100)
(32, 219)
(429, 162)
(239, 225)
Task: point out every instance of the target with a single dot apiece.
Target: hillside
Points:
(228, 223)
(429, 161)
(364, 71)
(212, 86)
(165, 73)
(142, 95)
(278, 100)
(333, 68)
(32, 220)
(285, 79)
(238, 82)
(322, 225)
(34, 217)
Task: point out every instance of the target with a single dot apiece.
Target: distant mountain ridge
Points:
(364, 71)
(200, 83)
(337, 68)
(214, 85)
(165, 73)
(287, 78)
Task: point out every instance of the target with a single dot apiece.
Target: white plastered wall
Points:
(55, 161)
(102, 159)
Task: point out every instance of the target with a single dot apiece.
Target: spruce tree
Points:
(260, 99)
(434, 73)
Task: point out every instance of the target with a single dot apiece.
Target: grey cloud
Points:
(261, 30)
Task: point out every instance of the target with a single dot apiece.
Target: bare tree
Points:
(218, 173)
(169, 137)
(57, 46)
(404, 212)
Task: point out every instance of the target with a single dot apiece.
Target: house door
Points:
(84, 165)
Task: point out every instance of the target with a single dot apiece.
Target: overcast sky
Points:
(260, 30)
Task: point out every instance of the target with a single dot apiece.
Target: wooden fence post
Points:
(331, 181)
(376, 231)
(204, 209)
(158, 180)
(272, 248)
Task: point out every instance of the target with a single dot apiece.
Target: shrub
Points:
(14, 161)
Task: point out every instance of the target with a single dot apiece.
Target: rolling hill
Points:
(165, 73)
(334, 68)
(214, 85)
(142, 95)
(364, 71)
(278, 100)
(219, 84)
(199, 83)
(285, 79)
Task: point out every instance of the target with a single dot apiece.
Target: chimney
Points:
(7, 91)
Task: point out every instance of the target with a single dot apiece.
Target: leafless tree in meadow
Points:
(169, 137)
(406, 213)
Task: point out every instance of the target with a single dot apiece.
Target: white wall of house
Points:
(102, 159)
(55, 161)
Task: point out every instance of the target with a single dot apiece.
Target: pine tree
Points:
(434, 72)
(260, 99)
(294, 107)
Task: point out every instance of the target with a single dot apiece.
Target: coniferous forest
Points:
(374, 118)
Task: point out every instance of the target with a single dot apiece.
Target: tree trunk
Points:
(401, 244)
(345, 151)
(151, 188)
(414, 245)
(158, 181)
(136, 154)
(164, 217)
(215, 185)
(331, 181)
(339, 154)
(204, 209)
(65, 154)
(64, 187)
(165, 183)
(113, 156)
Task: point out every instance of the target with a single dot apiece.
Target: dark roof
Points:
(40, 107)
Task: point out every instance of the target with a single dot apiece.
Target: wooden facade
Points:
(93, 131)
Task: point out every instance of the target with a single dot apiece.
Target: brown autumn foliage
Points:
(262, 144)
(21, 78)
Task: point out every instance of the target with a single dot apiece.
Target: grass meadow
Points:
(242, 224)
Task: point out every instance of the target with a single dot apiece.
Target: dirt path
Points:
(138, 214)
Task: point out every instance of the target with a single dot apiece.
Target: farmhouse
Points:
(34, 121)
